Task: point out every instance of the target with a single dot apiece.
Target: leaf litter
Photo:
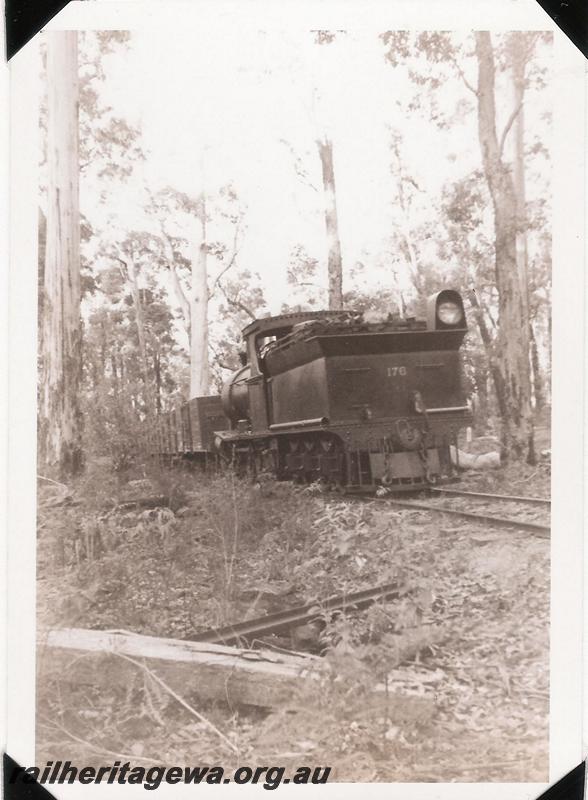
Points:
(469, 633)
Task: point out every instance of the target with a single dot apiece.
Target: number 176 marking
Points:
(393, 371)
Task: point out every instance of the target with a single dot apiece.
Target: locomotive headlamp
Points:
(449, 312)
(445, 310)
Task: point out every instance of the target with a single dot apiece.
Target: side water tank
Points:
(235, 396)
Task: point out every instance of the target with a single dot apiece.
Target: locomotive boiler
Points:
(331, 397)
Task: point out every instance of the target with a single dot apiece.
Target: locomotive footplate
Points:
(401, 454)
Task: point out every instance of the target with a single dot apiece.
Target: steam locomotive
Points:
(336, 397)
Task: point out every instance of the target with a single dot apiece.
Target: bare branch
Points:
(508, 126)
(461, 74)
(52, 723)
(236, 303)
(124, 267)
(176, 282)
(199, 716)
(229, 264)
(298, 168)
(218, 358)
(50, 480)
(180, 294)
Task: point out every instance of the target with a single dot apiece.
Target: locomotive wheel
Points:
(334, 450)
(312, 458)
(226, 455)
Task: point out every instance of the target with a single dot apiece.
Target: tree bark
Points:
(335, 267)
(157, 371)
(60, 433)
(538, 383)
(487, 341)
(199, 363)
(521, 54)
(131, 274)
(513, 333)
(481, 410)
(518, 74)
(114, 372)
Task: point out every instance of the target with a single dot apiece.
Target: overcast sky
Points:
(219, 105)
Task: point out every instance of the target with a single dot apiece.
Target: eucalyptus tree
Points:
(199, 262)
(60, 423)
(432, 59)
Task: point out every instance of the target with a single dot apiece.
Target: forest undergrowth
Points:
(468, 634)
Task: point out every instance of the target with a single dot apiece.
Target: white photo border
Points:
(569, 292)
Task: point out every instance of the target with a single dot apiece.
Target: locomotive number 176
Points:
(393, 371)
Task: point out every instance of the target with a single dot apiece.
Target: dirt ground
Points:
(469, 635)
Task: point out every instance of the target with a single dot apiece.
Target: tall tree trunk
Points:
(403, 203)
(482, 411)
(157, 371)
(487, 341)
(538, 383)
(335, 267)
(520, 57)
(140, 324)
(199, 364)
(513, 333)
(60, 431)
(114, 372)
(518, 71)
(42, 254)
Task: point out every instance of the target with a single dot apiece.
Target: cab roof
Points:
(284, 322)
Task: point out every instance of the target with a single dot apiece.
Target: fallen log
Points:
(231, 675)
(248, 677)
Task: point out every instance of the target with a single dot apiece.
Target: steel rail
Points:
(537, 501)
(300, 615)
(489, 519)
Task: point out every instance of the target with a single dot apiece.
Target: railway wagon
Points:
(187, 431)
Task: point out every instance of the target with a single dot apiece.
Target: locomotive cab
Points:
(246, 395)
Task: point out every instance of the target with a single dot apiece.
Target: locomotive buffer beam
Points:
(301, 615)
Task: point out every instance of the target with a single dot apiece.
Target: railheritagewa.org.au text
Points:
(271, 777)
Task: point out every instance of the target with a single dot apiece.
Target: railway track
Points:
(356, 601)
(300, 615)
(535, 501)
(485, 511)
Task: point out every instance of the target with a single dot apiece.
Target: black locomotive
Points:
(334, 397)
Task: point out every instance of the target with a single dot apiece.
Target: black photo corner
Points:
(25, 18)
(16, 788)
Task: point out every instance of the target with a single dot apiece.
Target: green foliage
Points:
(109, 145)
(113, 428)
(304, 287)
